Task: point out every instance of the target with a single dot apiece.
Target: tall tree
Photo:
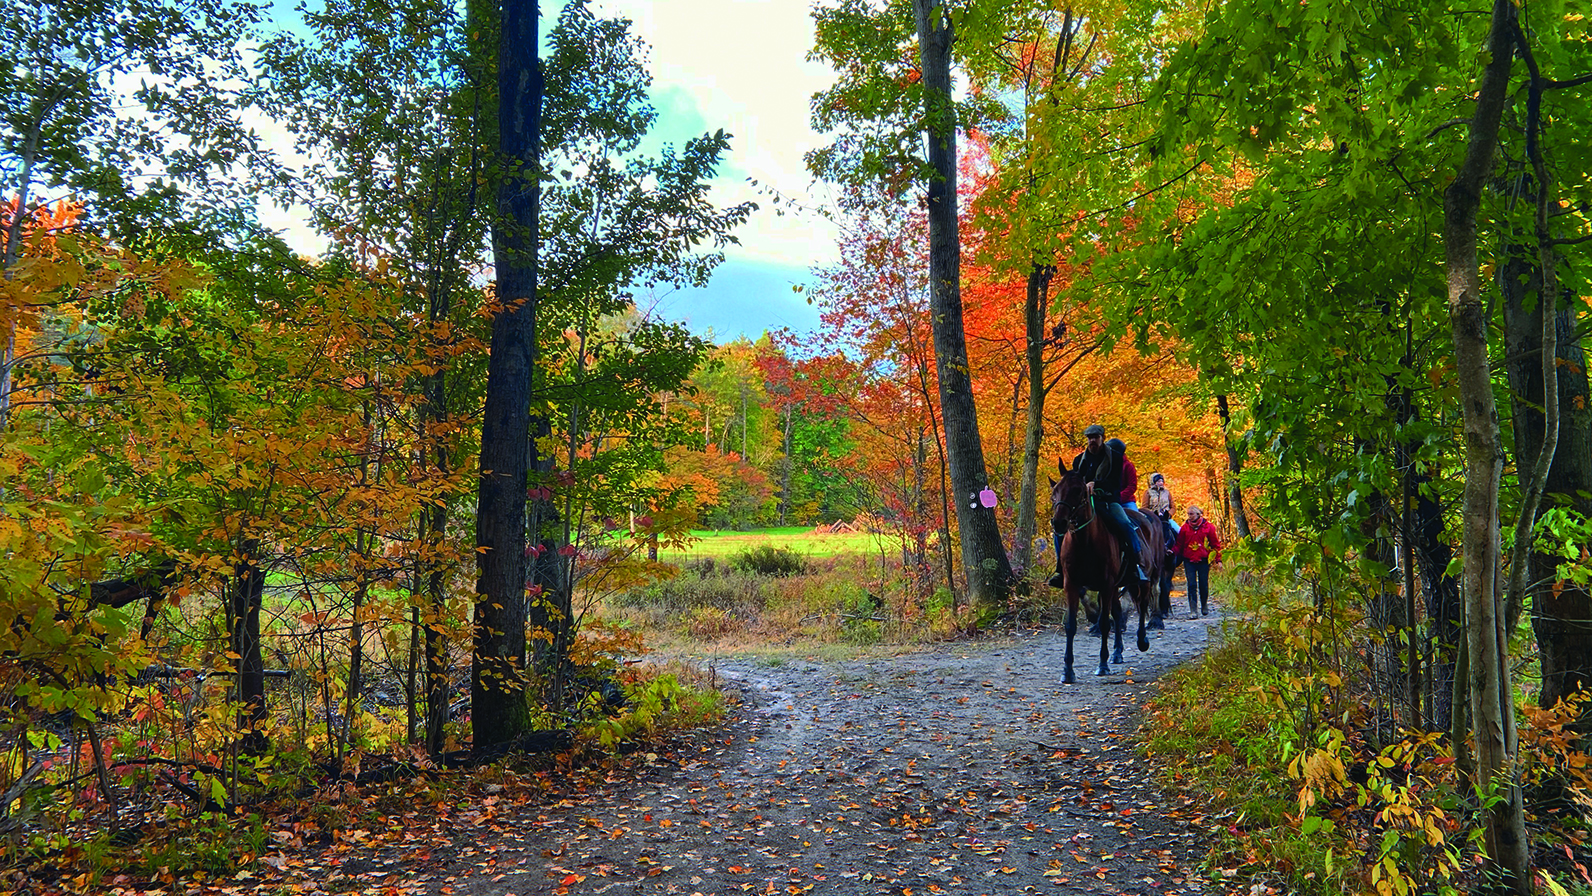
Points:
(388, 112)
(628, 220)
(984, 561)
(894, 97)
(1491, 694)
(499, 712)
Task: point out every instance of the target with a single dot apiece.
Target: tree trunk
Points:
(1492, 706)
(433, 569)
(984, 560)
(13, 251)
(787, 467)
(1443, 612)
(497, 680)
(551, 606)
(1034, 303)
(248, 591)
(1561, 612)
(1235, 466)
(439, 668)
(1384, 616)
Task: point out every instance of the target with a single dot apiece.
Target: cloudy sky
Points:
(739, 65)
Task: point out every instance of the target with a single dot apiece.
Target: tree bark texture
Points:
(1561, 613)
(1492, 707)
(1235, 466)
(497, 675)
(1034, 306)
(248, 591)
(984, 560)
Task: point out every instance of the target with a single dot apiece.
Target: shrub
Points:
(710, 622)
(861, 617)
(767, 560)
(654, 705)
(723, 590)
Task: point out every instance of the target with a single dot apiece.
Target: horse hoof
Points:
(1157, 624)
(1068, 678)
(1094, 629)
(1144, 642)
(1104, 671)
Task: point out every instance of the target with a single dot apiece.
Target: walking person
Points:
(1198, 547)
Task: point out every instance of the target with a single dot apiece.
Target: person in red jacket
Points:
(1130, 476)
(1198, 546)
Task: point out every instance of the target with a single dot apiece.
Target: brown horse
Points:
(1089, 558)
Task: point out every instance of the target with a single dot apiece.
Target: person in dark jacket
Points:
(1101, 467)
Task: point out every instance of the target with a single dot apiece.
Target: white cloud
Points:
(740, 65)
(744, 65)
(293, 223)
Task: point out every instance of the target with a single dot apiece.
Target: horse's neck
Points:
(1097, 535)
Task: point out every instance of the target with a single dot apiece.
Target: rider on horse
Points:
(1101, 466)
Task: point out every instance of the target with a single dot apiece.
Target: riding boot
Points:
(1132, 559)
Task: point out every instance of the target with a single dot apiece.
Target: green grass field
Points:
(801, 539)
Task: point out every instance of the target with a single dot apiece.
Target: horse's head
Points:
(1069, 503)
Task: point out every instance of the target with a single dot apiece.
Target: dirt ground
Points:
(965, 769)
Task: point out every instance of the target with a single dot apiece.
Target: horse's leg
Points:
(1157, 599)
(1119, 624)
(1056, 581)
(1106, 625)
(1144, 607)
(1072, 629)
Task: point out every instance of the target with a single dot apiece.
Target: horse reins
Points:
(1072, 508)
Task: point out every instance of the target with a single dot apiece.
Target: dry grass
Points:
(849, 601)
(803, 540)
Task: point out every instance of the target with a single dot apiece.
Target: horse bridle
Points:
(1071, 511)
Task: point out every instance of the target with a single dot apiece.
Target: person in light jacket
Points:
(1158, 503)
(1198, 546)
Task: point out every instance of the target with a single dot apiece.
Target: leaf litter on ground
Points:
(969, 770)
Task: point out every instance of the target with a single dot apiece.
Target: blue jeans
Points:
(1198, 575)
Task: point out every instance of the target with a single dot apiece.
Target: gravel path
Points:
(965, 769)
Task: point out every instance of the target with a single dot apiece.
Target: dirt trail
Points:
(967, 768)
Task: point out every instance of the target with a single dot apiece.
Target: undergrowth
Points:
(151, 839)
(769, 597)
(1301, 788)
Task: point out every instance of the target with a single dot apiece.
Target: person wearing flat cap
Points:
(1101, 466)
